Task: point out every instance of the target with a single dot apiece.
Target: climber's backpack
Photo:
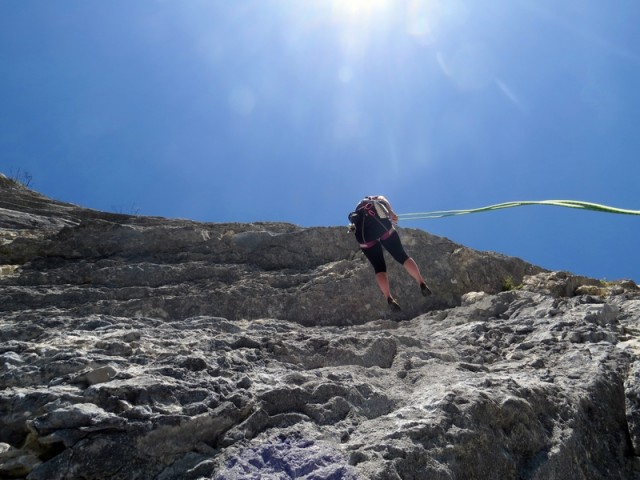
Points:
(371, 221)
(369, 208)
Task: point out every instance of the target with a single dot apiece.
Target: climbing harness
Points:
(499, 206)
(384, 236)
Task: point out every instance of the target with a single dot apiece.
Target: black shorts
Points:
(393, 245)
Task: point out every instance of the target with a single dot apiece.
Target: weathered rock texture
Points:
(147, 348)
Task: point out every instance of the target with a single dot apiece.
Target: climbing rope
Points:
(499, 206)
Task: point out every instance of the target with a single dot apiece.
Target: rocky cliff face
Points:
(147, 348)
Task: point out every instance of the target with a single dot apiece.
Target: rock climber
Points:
(373, 223)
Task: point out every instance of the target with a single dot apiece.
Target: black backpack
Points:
(370, 220)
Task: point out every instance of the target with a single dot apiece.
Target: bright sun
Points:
(355, 8)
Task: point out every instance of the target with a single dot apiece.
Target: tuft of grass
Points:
(133, 210)
(20, 177)
(509, 284)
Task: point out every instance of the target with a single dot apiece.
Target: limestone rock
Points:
(84, 262)
(149, 348)
(15, 463)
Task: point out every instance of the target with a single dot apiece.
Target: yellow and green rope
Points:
(499, 206)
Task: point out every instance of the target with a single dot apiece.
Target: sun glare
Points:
(358, 8)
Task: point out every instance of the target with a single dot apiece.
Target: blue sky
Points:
(292, 110)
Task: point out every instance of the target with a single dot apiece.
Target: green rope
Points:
(499, 206)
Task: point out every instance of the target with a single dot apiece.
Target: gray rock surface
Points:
(149, 348)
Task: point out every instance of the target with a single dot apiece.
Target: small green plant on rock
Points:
(509, 284)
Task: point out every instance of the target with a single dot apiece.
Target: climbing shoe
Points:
(425, 290)
(393, 304)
